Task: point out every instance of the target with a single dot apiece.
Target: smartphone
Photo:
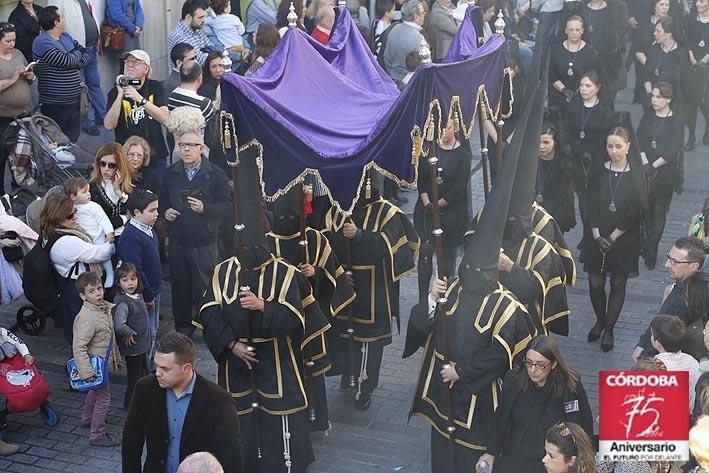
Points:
(30, 66)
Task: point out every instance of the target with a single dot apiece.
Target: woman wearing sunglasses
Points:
(536, 394)
(568, 450)
(110, 183)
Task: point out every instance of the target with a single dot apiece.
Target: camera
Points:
(191, 192)
(125, 81)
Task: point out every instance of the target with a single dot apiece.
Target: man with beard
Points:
(257, 317)
(310, 251)
(378, 245)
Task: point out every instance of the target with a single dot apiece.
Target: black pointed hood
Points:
(478, 268)
(286, 212)
(252, 239)
(526, 177)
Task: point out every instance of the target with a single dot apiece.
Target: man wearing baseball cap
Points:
(138, 105)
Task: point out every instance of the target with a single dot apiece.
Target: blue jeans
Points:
(97, 98)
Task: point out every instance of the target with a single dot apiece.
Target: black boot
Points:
(595, 332)
(607, 341)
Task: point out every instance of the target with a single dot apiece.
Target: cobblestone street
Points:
(381, 439)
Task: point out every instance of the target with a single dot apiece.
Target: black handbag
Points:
(12, 253)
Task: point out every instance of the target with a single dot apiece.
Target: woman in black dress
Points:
(642, 40)
(611, 243)
(454, 161)
(667, 61)
(697, 84)
(586, 122)
(605, 30)
(660, 136)
(535, 396)
(554, 189)
(569, 61)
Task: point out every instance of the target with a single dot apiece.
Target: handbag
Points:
(100, 367)
(113, 38)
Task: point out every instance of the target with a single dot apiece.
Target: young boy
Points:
(668, 333)
(91, 218)
(139, 245)
(93, 334)
(10, 345)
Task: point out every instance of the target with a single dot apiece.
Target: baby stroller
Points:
(25, 391)
(40, 155)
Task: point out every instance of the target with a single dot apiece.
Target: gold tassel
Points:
(227, 135)
(417, 149)
(368, 189)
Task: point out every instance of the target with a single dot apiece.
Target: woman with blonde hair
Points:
(699, 444)
(138, 152)
(110, 183)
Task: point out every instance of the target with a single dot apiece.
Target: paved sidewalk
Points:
(381, 439)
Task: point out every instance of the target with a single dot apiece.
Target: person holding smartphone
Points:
(15, 77)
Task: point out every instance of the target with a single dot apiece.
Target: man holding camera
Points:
(195, 197)
(138, 105)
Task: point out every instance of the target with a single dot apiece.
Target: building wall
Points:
(160, 17)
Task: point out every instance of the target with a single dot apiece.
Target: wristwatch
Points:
(143, 101)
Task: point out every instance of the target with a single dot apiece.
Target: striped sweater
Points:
(58, 68)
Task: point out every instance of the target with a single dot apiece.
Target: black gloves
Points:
(604, 244)
(568, 93)
(650, 172)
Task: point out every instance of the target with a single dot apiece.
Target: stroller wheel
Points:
(30, 320)
(49, 415)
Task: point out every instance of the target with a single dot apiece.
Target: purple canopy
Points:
(331, 111)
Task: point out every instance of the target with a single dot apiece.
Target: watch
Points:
(143, 101)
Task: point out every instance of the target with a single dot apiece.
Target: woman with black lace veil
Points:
(642, 39)
(697, 84)
(667, 61)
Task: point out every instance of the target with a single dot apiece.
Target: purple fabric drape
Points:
(331, 110)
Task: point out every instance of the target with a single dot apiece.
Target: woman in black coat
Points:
(660, 136)
(24, 17)
(569, 61)
(110, 183)
(538, 393)
(642, 38)
(453, 178)
(697, 83)
(667, 61)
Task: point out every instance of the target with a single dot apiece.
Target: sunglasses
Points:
(7, 27)
(71, 215)
(105, 164)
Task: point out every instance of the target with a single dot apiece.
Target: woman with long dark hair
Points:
(265, 40)
(554, 186)
(212, 73)
(660, 136)
(585, 124)
(611, 244)
(536, 394)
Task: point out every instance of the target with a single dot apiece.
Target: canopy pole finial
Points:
(425, 51)
(341, 3)
(500, 23)
(226, 61)
(292, 17)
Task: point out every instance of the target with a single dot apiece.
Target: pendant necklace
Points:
(702, 24)
(444, 158)
(663, 55)
(584, 119)
(540, 184)
(570, 70)
(656, 129)
(614, 189)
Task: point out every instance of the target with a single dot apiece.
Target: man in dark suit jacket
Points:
(202, 415)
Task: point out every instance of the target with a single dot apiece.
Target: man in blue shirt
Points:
(190, 29)
(176, 412)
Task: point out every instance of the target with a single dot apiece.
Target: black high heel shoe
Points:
(607, 341)
(595, 332)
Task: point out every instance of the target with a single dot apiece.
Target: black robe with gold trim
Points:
(538, 280)
(544, 224)
(383, 255)
(332, 293)
(485, 334)
(290, 324)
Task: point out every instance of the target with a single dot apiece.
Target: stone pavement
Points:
(381, 439)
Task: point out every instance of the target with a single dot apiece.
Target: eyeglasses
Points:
(675, 262)
(133, 62)
(189, 145)
(564, 431)
(106, 164)
(136, 155)
(535, 364)
(7, 27)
